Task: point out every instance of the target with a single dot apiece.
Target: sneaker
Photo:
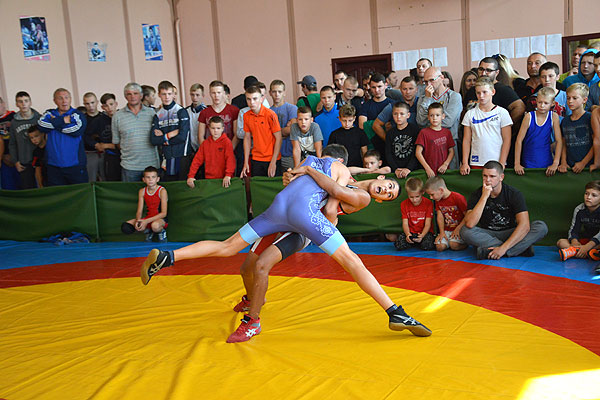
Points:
(162, 236)
(149, 236)
(248, 328)
(399, 321)
(567, 253)
(594, 254)
(156, 260)
(597, 270)
(483, 253)
(243, 305)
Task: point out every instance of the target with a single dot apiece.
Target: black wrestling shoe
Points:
(400, 320)
(156, 260)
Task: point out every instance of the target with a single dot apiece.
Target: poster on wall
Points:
(152, 44)
(35, 38)
(96, 51)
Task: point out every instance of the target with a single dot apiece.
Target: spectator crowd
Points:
(388, 124)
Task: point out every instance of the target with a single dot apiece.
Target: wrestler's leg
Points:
(211, 248)
(367, 282)
(264, 264)
(247, 271)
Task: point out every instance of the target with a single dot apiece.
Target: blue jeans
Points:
(130, 175)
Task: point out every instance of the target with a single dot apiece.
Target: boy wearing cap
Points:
(311, 95)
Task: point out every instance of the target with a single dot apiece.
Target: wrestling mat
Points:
(76, 323)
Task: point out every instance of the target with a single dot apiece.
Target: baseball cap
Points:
(308, 80)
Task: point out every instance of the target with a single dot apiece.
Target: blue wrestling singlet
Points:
(297, 208)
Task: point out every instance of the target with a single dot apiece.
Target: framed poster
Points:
(96, 51)
(152, 43)
(35, 38)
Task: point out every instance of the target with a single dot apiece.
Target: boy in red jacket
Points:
(216, 153)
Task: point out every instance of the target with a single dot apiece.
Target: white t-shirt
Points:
(486, 133)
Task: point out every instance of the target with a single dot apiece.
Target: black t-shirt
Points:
(356, 101)
(400, 147)
(240, 101)
(504, 96)
(102, 131)
(352, 139)
(499, 213)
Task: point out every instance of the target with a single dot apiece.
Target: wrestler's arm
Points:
(356, 198)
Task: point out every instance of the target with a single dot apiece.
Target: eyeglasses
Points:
(488, 70)
(430, 81)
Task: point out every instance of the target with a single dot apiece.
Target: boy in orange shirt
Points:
(262, 125)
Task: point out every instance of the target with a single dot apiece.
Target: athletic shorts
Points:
(288, 243)
(446, 240)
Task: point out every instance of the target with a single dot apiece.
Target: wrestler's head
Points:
(384, 189)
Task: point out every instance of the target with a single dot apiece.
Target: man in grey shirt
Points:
(131, 128)
(437, 92)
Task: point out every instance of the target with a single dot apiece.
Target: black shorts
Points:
(288, 243)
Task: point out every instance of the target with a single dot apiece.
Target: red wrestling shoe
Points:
(248, 328)
(243, 305)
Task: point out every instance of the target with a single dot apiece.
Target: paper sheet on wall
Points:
(477, 50)
(440, 56)
(507, 47)
(522, 47)
(412, 56)
(538, 44)
(399, 61)
(553, 44)
(426, 53)
(492, 47)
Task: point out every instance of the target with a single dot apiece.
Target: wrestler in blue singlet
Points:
(297, 208)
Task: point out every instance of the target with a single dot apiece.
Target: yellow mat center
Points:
(321, 339)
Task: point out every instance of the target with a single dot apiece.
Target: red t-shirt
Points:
(416, 214)
(229, 114)
(435, 146)
(453, 209)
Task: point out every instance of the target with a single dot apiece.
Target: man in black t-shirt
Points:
(497, 220)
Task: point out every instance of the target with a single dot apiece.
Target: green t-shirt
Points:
(313, 99)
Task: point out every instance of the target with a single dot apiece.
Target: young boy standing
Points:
(351, 137)
(401, 142)
(487, 130)
(155, 198)
(450, 209)
(194, 109)
(19, 146)
(417, 213)
(262, 134)
(577, 152)
(103, 126)
(219, 107)
(549, 76)
(216, 153)
(38, 155)
(533, 147)
(95, 159)
(171, 131)
(371, 162)
(286, 113)
(306, 136)
(328, 119)
(435, 146)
